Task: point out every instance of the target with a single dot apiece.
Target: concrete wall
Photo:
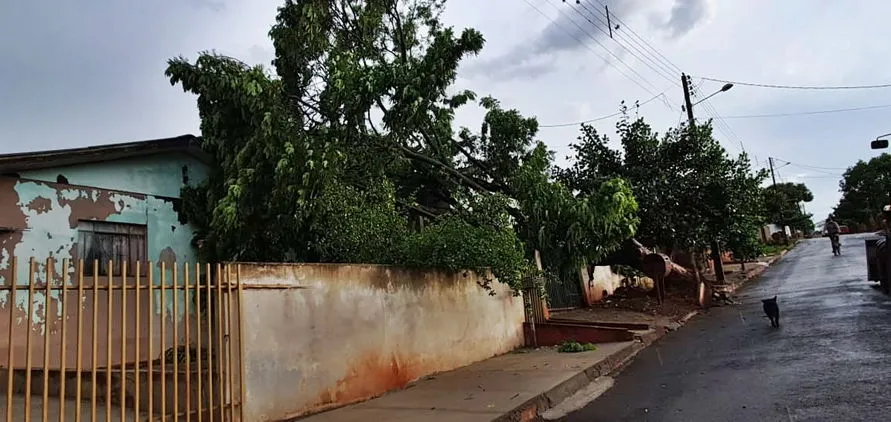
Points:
(336, 334)
(597, 281)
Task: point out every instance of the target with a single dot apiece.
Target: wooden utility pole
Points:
(773, 178)
(715, 247)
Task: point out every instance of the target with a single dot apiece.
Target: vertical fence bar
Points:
(151, 342)
(95, 358)
(198, 337)
(220, 352)
(123, 388)
(10, 369)
(210, 348)
(229, 345)
(240, 342)
(46, 335)
(108, 340)
(79, 367)
(175, 347)
(188, 341)
(29, 360)
(63, 302)
(137, 362)
(163, 340)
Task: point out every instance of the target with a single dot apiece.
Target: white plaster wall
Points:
(344, 333)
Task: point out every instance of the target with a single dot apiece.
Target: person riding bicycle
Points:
(832, 229)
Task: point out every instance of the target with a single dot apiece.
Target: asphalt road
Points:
(830, 360)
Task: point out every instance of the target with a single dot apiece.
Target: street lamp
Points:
(717, 260)
(880, 143)
(724, 88)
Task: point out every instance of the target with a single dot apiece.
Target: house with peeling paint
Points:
(113, 202)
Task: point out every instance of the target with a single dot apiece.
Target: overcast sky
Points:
(83, 73)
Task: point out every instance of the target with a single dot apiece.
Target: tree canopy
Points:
(348, 153)
(864, 188)
(689, 190)
(782, 206)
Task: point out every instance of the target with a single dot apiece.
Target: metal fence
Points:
(139, 344)
(563, 293)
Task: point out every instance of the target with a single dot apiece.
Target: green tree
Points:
(349, 154)
(865, 189)
(782, 206)
(688, 189)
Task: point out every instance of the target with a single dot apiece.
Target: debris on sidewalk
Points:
(635, 305)
(638, 305)
(572, 346)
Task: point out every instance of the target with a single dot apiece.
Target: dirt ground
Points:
(638, 305)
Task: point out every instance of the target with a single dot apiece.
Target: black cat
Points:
(772, 310)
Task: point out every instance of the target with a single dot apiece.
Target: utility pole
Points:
(715, 247)
(773, 178)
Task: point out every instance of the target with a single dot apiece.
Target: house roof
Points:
(188, 144)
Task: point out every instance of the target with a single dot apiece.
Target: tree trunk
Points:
(632, 253)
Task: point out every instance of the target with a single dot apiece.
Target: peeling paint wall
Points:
(155, 175)
(39, 218)
(344, 333)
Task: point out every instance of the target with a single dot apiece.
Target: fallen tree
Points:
(635, 255)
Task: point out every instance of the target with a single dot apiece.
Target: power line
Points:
(623, 26)
(601, 117)
(777, 86)
(657, 67)
(825, 170)
(808, 113)
(666, 66)
(581, 28)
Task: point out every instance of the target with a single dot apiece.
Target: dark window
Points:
(185, 175)
(115, 242)
(61, 179)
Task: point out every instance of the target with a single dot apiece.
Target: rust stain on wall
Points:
(167, 256)
(85, 208)
(368, 378)
(40, 205)
(12, 221)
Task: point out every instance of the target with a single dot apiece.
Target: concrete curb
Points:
(756, 272)
(687, 317)
(530, 410)
(612, 365)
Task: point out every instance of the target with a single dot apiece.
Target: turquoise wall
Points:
(157, 175)
(135, 191)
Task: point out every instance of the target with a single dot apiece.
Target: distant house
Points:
(111, 202)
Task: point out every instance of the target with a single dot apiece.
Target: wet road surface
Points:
(830, 360)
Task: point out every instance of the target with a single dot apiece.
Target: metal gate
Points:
(101, 342)
(563, 293)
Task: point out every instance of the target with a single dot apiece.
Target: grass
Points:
(773, 250)
(572, 346)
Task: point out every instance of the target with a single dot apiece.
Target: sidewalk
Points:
(516, 387)
(512, 387)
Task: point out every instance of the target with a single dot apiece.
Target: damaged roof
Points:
(187, 144)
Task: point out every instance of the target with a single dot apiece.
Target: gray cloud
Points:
(685, 15)
(214, 5)
(89, 73)
(577, 27)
